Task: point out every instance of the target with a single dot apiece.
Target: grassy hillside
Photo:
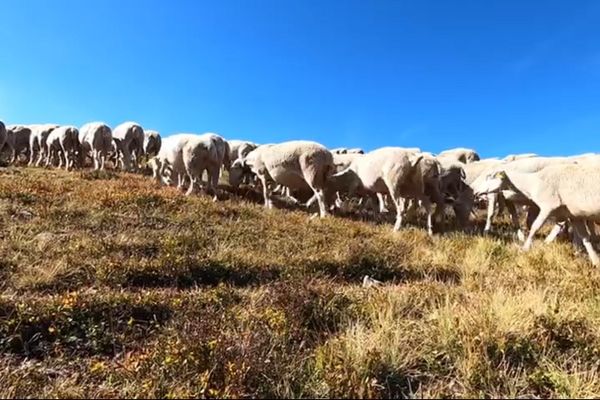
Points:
(113, 287)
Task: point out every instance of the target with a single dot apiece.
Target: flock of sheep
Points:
(563, 189)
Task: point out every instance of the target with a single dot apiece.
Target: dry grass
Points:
(112, 287)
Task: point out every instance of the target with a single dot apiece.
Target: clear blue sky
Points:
(498, 76)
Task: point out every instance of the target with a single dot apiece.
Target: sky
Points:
(501, 77)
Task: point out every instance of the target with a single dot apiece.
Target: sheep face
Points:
(238, 171)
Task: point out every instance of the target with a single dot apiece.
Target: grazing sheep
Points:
(167, 165)
(17, 139)
(37, 142)
(152, 143)
(129, 140)
(295, 164)
(63, 143)
(207, 152)
(223, 150)
(96, 141)
(567, 191)
(393, 171)
(240, 148)
(240, 172)
(337, 189)
(187, 154)
(460, 154)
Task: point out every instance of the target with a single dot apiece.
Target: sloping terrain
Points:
(113, 287)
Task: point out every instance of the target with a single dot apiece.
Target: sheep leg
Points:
(59, 154)
(321, 200)
(13, 154)
(556, 230)
(266, 194)
(190, 190)
(382, 205)
(400, 208)
(592, 230)
(213, 182)
(40, 158)
(492, 198)
(514, 215)
(292, 198)
(537, 224)
(427, 205)
(47, 163)
(32, 147)
(581, 230)
(311, 201)
(96, 158)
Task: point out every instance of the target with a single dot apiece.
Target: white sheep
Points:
(96, 141)
(129, 140)
(240, 148)
(37, 142)
(167, 165)
(199, 154)
(567, 191)
(511, 198)
(152, 142)
(393, 171)
(190, 155)
(63, 143)
(294, 164)
(240, 172)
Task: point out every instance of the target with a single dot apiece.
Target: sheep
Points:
(37, 142)
(294, 164)
(96, 138)
(205, 152)
(17, 139)
(169, 160)
(152, 143)
(63, 142)
(190, 154)
(460, 154)
(464, 200)
(335, 189)
(393, 171)
(129, 140)
(567, 191)
(532, 164)
(240, 172)
(240, 148)
(223, 150)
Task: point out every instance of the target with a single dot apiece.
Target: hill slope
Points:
(112, 287)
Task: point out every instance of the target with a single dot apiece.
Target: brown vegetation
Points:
(113, 287)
